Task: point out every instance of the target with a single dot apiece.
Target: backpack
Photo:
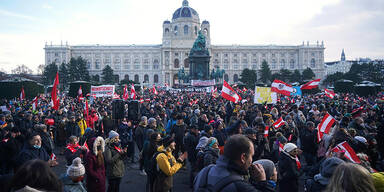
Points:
(200, 160)
(218, 186)
(153, 169)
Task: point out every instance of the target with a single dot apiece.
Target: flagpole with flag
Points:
(22, 94)
(54, 96)
(229, 94)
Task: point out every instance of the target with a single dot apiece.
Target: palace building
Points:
(160, 63)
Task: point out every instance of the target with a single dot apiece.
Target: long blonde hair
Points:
(349, 177)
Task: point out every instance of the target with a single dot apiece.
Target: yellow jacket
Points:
(83, 125)
(164, 159)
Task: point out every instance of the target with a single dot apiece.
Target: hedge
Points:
(11, 90)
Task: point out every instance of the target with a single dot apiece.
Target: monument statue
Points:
(199, 59)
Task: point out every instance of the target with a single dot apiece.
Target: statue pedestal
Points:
(199, 67)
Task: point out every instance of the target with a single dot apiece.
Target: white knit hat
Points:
(289, 147)
(76, 169)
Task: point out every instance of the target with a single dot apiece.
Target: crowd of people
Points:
(225, 146)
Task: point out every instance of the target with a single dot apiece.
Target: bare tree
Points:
(22, 69)
(40, 69)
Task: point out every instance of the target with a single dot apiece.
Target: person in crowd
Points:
(150, 148)
(10, 147)
(35, 175)
(211, 152)
(308, 139)
(139, 138)
(74, 150)
(72, 128)
(81, 122)
(34, 150)
(114, 158)
(231, 167)
(220, 133)
(178, 131)
(352, 178)
(321, 180)
(289, 168)
(94, 167)
(270, 175)
(73, 180)
(167, 164)
(190, 142)
(46, 138)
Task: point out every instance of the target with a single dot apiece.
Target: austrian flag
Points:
(349, 152)
(325, 126)
(329, 93)
(278, 123)
(282, 87)
(229, 94)
(133, 92)
(311, 85)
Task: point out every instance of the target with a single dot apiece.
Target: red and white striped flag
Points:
(154, 90)
(326, 123)
(281, 147)
(133, 92)
(278, 123)
(329, 93)
(229, 94)
(266, 131)
(34, 103)
(298, 164)
(53, 157)
(80, 94)
(141, 101)
(349, 152)
(311, 85)
(116, 96)
(22, 94)
(282, 87)
(125, 93)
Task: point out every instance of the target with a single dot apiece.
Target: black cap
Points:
(167, 141)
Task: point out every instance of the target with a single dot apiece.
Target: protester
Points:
(94, 167)
(73, 180)
(289, 168)
(270, 175)
(74, 150)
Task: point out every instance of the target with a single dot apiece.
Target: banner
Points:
(203, 83)
(103, 90)
(264, 94)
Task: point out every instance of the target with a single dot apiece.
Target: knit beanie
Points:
(329, 165)
(76, 169)
(268, 166)
(112, 134)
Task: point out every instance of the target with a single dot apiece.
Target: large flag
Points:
(86, 109)
(34, 103)
(278, 123)
(229, 94)
(311, 85)
(264, 95)
(325, 126)
(125, 93)
(329, 93)
(282, 87)
(22, 94)
(54, 96)
(154, 90)
(349, 152)
(133, 92)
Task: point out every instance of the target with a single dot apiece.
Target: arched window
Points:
(146, 78)
(282, 64)
(235, 78)
(137, 79)
(175, 30)
(186, 63)
(176, 63)
(313, 63)
(126, 77)
(292, 63)
(226, 78)
(156, 78)
(185, 29)
(195, 30)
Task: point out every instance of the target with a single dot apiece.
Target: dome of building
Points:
(185, 12)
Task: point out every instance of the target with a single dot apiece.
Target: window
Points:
(176, 63)
(126, 63)
(175, 30)
(146, 78)
(225, 54)
(195, 30)
(254, 67)
(156, 78)
(186, 63)
(126, 77)
(137, 64)
(137, 79)
(273, 64)
(313, 63)
(117, 63)
(88, 64)
(235, 78)
(254, 54)
(97, 64)
(185, 29)
(56, 54)
(292, 63)
(245, 66)
(156, 64)
(273, 55)
(282, 64)
(235, 61)
(146, 63)
(226, 78)
(235, 54)
(263, 55)
(254, 61)
(235, 66)
(176, 54)
(244, 55)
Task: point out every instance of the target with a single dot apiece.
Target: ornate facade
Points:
(158, 64)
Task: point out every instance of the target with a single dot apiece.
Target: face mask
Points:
(36, 146)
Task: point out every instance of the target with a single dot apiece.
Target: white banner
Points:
(203, 82)
(103, 90)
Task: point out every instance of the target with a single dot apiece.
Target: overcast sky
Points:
(25, 25)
